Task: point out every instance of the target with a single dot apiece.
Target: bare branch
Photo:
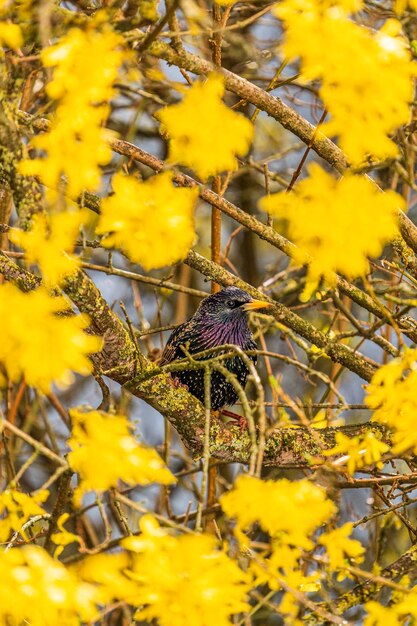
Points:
(287, 447)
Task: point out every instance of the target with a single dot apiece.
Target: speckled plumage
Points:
(220, 319)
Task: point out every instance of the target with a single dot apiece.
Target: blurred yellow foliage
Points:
(283, 516)
(183, 580)
(31, 327)
(50, 243)
(392, 394)
(16, 508)
(102, 440)
(341, 549)
(85, 65)
(366, 104)
(359, 451)
(151, 221)
(205, 135)
(337, 224)
(40, 591)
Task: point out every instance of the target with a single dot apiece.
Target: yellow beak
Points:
(256, 304)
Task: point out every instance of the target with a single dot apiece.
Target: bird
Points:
(221, 318)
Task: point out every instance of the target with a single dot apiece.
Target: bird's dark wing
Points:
(191, 335)
(251, 345)
(172, 349)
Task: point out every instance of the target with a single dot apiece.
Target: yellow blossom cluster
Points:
(38, 590)
(10, 34)
(322, 213)
(31, 324)
(401, 5)
(282, 570)
(341, 549)
(293, 513)
(403, 610)
(284, 517)
(86, 65)
(101, 440)
(151, 221)
(175, 579)
(16, 508)
(392, 394)
(205, 135)
(182, 580)
(63, 537)
(50, 243)
(382, 77)
(359, 451)
(108, 572)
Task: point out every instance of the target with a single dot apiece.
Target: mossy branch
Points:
(276, 108)
(287, 447)
(406, 564)
(339, 353)
(228, 208)
(26, 191)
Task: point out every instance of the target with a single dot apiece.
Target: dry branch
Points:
(228, 208)
(121, 362)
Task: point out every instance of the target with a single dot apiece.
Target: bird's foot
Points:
(242, 422)
(177, 383)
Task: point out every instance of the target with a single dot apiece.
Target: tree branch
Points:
(338, 352)
(228, 208)
(276, 108)
(26, 191)
(120, 361)
(405, 564)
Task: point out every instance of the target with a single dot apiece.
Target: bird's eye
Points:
(232, 304)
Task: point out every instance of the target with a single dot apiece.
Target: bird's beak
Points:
(256, 304)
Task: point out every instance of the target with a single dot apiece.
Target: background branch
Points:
(119, 360)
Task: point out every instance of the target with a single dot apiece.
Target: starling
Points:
(220, 319)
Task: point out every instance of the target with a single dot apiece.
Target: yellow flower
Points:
(279, 507)
(50, 243)
(105, 441)
(322, 213)
(63, 537)
(360, 451)
(39, 344)
(184, 580)
(109, 573)
(393, 394)
(297, 581)
(401, 5)
(378, 615)
(16, 508)
(406, 604)
(75, 153)
(340, 549)
(10, 35)
(37, 590)
(85, 66)
(383, 76)
(283, 566)
(204, 133)
(151, 221)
